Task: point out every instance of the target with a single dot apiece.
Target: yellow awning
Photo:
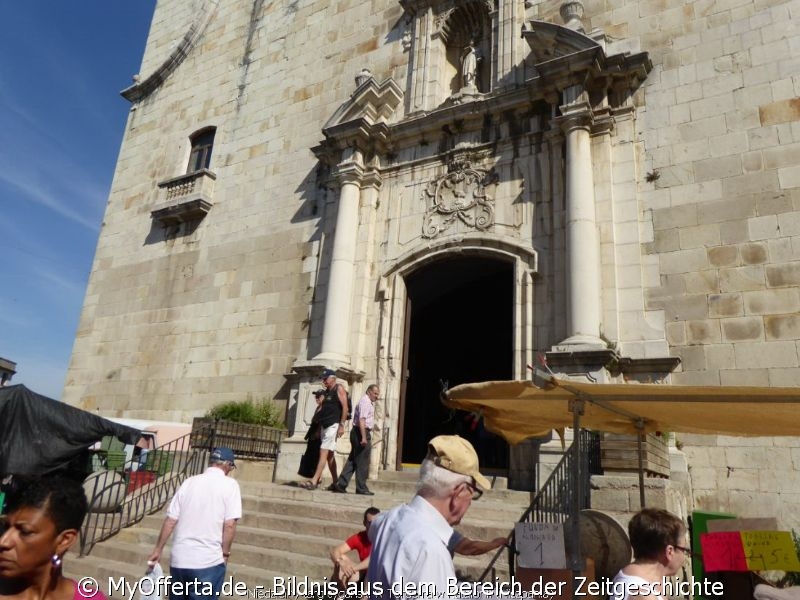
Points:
(518, 410)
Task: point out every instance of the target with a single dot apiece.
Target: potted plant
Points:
(252, 428)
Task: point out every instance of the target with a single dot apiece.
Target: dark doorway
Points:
(460, 331)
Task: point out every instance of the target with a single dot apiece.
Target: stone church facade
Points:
(419, 191)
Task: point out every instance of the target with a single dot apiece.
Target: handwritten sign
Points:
(540, 545)
(749, 551)
(723, 551)
(770, 551)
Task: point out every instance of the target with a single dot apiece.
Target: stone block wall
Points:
(697, 192)
(174, 322)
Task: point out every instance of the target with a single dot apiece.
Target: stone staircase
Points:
(288, 531)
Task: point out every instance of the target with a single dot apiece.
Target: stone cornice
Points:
(143, 88)
(311, 370)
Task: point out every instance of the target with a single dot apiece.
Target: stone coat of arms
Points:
(460, 194)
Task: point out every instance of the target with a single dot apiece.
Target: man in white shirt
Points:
(360, 444)
(203, 514)
(410, 556)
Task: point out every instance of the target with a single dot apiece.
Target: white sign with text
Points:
(540, 545)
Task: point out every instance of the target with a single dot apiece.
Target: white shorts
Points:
(329, 437)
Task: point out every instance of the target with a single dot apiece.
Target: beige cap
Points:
(454, 453)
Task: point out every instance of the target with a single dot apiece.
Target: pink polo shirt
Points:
(364, 410)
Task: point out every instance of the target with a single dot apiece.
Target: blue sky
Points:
(62, 66)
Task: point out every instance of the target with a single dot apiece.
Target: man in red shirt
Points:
(345, 570)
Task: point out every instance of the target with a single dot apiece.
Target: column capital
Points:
(576, 116)
(349, 173)
(371, 179)
(351, 168)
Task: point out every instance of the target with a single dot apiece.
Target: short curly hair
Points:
(62, 500)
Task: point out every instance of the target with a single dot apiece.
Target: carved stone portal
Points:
(460, 194)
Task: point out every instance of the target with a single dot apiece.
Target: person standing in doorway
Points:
(332, 417)
(360, 444)
(203, 514)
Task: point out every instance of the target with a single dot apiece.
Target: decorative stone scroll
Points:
(460, 194)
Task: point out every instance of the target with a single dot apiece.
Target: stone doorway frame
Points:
(394, 298)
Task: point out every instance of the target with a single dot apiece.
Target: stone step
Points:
(289, 531)
(403, 482)
(410, 475)
(298, 556)
(493, 506)
(286, 533)
(113, 576)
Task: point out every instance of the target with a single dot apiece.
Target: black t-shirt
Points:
(331, 410)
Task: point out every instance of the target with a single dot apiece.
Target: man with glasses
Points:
(410, 556)
(360, 444)
(658, 539)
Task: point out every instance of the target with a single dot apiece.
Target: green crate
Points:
(115, 460)
(159, 461)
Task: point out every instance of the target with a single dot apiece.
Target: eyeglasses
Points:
(476, 491)
(683, 549)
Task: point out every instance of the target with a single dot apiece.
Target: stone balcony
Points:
(185, 198)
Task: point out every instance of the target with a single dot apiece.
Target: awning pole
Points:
(639, 439)
(576, 558)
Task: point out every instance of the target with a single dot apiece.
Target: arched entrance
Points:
(459, 328)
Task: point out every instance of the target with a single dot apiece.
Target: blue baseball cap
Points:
(327, 373)
(223, 455)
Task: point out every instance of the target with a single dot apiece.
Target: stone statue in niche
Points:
(469, 67)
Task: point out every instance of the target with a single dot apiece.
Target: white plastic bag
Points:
(150, 584)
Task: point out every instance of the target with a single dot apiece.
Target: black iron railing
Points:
(121, 493)
(554, 500)
(255, 442)
(124, 492)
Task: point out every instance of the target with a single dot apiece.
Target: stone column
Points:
(338, 306)
(583, 247)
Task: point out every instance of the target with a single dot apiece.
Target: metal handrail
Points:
(121, 497)
(553, 501)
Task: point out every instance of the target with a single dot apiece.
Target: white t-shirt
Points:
(201, 506)
(624, 583)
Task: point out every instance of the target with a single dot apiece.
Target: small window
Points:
(202, 144)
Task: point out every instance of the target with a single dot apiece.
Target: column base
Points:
(334, 358)
(580, 342)
(589, 361)
(303, 381)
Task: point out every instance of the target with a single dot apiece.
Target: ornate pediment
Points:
(371, 102)
(549, 41)
(566, 57)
